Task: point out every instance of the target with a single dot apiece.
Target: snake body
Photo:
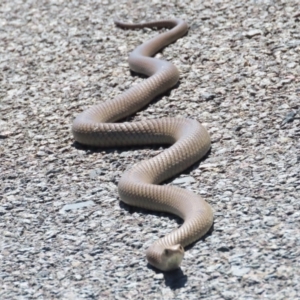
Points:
(189, 142)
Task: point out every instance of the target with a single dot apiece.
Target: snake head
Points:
(165, 258)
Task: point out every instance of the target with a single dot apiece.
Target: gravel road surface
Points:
(64, 233)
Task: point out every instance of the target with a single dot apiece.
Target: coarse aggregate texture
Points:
(64, 233)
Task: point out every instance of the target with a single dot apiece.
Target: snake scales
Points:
(189, 139)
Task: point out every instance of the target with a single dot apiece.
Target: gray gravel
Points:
(64, 233)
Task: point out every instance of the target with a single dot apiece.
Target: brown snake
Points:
(190, 142)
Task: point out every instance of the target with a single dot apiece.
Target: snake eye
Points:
(166, 251)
